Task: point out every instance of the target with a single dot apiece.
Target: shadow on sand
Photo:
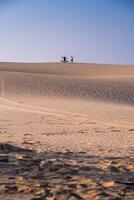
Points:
(63, 175)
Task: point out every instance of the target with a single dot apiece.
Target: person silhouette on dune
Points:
(64, 59)
(72, 59)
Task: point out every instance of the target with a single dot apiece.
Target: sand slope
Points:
(82, 89)
(72, 125)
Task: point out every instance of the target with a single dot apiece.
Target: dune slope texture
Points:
(67, 131)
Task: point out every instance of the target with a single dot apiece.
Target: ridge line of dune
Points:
(84, 70)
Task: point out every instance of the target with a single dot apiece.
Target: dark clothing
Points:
(72, 59)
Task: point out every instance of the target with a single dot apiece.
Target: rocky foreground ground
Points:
(64, 175)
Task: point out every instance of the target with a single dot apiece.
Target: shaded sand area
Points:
(66, 131)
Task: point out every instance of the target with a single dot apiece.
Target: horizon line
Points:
(56, 62)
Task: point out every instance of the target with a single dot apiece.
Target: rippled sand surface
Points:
(67, 131)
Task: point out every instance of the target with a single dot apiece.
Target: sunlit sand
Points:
(66, 131)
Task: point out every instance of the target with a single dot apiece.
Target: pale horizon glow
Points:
(93, 31)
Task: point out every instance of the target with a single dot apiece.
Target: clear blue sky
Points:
(98, 31)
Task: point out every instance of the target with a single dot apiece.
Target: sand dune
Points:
(76, 89)
(90, 82)
(116, 90)
(73, 125)
(86, 70)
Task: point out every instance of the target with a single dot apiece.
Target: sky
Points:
(93, 31)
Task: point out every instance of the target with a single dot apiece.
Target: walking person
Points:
(72, 59)
(64, 59)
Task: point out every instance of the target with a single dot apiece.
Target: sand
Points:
(66, 131)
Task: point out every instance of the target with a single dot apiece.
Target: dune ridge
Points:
(78, 69)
